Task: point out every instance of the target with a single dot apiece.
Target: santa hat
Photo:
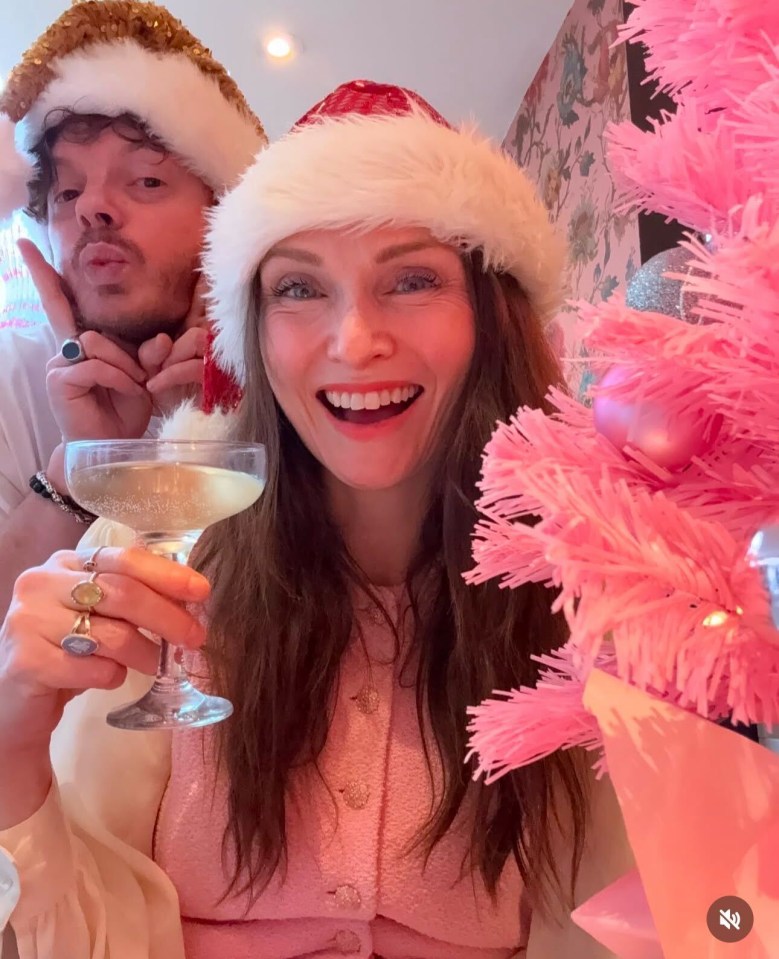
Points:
(372, 155)
(125, 56)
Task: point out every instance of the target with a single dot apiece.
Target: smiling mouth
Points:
(365, 409)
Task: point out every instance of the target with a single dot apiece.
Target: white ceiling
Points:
(470, 58)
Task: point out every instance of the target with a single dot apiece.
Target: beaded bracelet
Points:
(40, 484)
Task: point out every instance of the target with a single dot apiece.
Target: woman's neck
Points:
(380, 527)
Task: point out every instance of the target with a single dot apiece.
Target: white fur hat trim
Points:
(373, 171)
(180, 104)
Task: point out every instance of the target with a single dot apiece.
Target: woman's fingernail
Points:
(198, 586)
(197, 634)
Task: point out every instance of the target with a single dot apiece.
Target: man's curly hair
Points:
(79, 128)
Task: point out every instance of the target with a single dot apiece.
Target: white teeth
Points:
(372, 400)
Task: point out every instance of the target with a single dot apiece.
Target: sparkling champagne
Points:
(157, 495)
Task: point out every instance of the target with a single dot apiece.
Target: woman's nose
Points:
(359, 337)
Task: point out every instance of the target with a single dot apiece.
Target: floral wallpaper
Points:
(557, 136)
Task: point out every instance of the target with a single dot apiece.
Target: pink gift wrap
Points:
(619, 917)
(701, 807)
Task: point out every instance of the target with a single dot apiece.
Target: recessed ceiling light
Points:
(280, 46)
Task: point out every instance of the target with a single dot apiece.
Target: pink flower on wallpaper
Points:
(534, 90)
(557, 172)
(611, 73)
(583, 233)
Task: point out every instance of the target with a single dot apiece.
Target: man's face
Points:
(126, 226)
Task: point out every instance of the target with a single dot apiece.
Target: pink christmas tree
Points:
(640, 509)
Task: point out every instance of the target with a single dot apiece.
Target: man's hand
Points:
(175, 368)
(101, 397)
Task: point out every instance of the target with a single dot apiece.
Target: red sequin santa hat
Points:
(371, 155)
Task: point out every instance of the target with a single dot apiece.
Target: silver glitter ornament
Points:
(650, 291)
(763, 554)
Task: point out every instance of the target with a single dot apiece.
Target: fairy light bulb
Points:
(718, 618)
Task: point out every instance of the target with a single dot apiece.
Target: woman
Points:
(380, 282)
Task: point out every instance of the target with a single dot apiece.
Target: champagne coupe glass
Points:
(168, 492)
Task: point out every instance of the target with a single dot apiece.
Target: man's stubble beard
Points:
(175, 285)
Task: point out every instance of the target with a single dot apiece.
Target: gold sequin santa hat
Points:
(124, 56)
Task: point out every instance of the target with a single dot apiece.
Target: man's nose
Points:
(95, 208)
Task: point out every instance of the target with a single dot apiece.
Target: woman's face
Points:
(366, 340)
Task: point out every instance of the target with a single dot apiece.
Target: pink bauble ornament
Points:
(669, 439)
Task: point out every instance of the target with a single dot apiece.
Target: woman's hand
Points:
(38, 678)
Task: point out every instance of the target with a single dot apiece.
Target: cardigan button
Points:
(367, 700)
(356, 794)
(347, 897)
(376, 616)
(347, 942)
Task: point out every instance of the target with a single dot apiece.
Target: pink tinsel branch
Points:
(729, 367)
(528, 724)
(733, 486)
(678, 169)
(755, 124)
(632, 563)
(509, 550)
(650, 565)
(707, 49)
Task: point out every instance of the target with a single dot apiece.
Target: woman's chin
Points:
(372, 478)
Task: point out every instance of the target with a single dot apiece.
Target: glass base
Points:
(171, 706)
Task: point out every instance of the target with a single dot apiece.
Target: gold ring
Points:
(79, 642)
(90, 566)
(87, 593)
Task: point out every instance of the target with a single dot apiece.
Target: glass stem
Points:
(170, 671)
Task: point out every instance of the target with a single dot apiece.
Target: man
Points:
(126, 132)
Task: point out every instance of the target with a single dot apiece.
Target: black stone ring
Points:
(73, 351)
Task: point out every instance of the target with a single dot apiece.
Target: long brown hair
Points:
(281, 573)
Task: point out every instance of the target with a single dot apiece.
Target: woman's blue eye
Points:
(151, 182)
(295, 290)
(416, 282)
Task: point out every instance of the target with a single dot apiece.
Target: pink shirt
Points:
(352, 887)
